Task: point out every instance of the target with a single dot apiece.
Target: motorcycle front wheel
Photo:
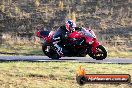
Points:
(100, 54)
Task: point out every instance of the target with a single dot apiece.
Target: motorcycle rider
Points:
(61, 34)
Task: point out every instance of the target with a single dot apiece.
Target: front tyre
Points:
(50, 52)
(100, 54)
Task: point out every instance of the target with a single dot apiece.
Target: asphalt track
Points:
(66, 59)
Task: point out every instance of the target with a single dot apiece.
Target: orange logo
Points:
(83, 78)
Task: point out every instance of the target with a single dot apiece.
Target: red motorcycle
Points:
(78, 44)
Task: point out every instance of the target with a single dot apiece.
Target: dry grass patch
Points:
(55, 74)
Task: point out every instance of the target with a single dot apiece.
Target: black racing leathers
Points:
(58, 39)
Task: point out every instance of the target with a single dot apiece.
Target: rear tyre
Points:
(50, 52)
(100, 54)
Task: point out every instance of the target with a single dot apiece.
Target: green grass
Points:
(119, 52)
(55, 74)
(21, 49)
(31, 50)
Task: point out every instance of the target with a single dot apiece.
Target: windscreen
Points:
(88, 33)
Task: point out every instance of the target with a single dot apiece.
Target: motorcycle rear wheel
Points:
(51, 53)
